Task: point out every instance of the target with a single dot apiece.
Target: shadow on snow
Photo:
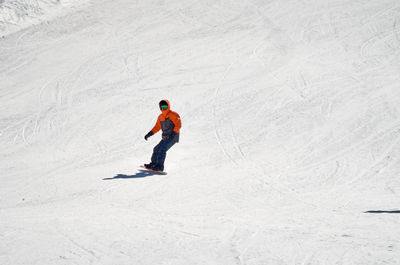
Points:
(140, 174)
(380, 211)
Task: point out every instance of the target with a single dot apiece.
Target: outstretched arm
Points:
(156, 127)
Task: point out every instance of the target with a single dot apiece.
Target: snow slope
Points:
(291, 133)
(18, 14)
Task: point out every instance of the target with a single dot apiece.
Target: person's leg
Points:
(156, 151)
(160, 153)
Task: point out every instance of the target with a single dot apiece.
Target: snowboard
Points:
(143, 168)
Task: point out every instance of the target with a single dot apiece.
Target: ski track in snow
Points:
(290, 134)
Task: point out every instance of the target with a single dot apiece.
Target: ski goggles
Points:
(164, 107)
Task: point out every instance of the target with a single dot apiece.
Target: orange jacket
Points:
(169, 121)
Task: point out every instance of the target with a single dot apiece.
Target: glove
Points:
(148, 135)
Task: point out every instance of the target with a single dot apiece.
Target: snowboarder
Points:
(170, 123)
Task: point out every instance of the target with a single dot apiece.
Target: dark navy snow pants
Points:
(160, 152)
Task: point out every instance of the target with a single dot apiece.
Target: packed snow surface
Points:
(18, 14)
(289, 151)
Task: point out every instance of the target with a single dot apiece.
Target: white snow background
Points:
(291, 132)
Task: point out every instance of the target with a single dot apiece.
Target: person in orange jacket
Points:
(170, 124)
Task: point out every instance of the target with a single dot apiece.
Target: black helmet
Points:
(163, 103)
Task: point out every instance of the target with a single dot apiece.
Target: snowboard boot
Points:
(158, 168)
(149, 166)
